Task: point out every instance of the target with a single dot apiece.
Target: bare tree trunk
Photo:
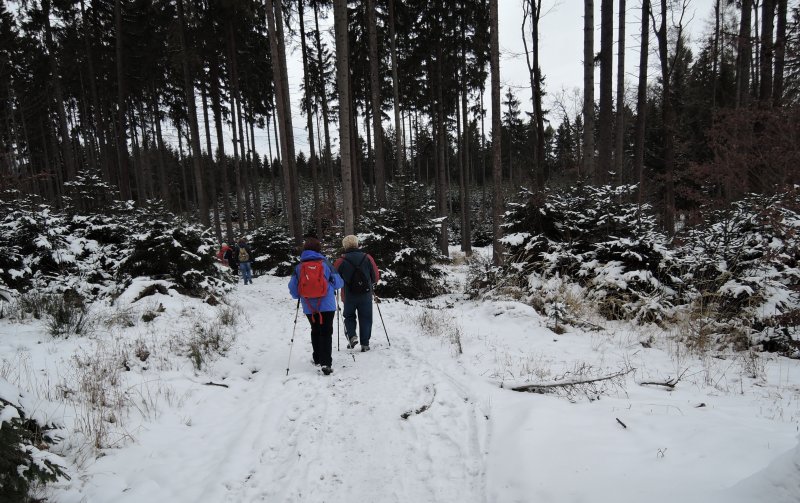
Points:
(464, 178)
(588, 89)
(780, 54)
(497, 205)
(209, 161)
(309, 123)
(58, 96)
(294, 197)
(216, 106)
(767, 25)
(715, 55)
(275, 26)
(325, 116)
(619, 139)
(668, 118)
(395, 88)
(743, 57)
(188, 89)
(343, 80)
(380, 182)
(604, 147)
(122, 94)
(641, 100)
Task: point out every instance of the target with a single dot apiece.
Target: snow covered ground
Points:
(422, 420)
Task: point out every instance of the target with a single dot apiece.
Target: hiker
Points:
(244, 256)
(229, 259)
(224, 254)
(314, 282)
(359, 272)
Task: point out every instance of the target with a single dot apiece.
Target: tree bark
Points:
(604, 147)
(668, 118)
(309, 123)
(744, 56)
(395, 89)
(323, 97)
(641, 99)
(767, 26)
(497, 204)
(275, 26)
(780, 54)
(188, 89)
(619, 137)
(122, 96)
(374, 70)
(588, 89)
(343, 80)
(216, 107)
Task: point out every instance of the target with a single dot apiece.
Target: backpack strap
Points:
(356, 267)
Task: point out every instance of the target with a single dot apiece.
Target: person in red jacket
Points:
(359, 272)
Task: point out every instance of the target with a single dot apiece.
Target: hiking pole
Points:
(378, 305)
(291, 345)
(338, 333)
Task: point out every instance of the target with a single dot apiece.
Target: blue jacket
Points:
(328, 302)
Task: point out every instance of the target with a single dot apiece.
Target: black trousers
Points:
(321, 336)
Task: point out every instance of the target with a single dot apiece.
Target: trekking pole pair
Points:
(378, 305)
(291, 345)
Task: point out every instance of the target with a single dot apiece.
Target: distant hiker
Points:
(360, 274)
(229, 258)
(244, 256)
(314, 282)
(224, 254)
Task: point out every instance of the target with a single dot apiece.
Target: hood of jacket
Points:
(311, 255)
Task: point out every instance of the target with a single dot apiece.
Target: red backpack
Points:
(312, 284)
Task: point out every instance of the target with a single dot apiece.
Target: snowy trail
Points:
(307, 437)
(418, 422)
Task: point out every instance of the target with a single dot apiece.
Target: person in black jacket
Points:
(360, 273)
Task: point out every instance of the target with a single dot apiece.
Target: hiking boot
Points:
(364, 348)
(353, 342)
(327, 370)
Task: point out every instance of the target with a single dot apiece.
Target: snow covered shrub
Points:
(272, 247)
(403, 241)
(167, 248)
(87, 192)
(743, 264)
(591, 236)
(25, 461)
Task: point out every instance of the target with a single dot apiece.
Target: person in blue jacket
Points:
(319, 311)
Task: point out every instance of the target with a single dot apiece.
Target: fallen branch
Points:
(546, 387)
(669, 383)
(210, 383)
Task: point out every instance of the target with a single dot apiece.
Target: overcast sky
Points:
(561, 56)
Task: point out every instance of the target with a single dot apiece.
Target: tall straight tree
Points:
(188, 89)
(375, 88)
(395, 87)
(497, 168)
(744, 56)
(122, 94)
(619, 134)
(667, 115)
(309, 124)
(604, 147)
(533, 8)
(588, 88)
(343, 82)
(767, 28)
(780, 54)
(274, 26)
(641, 99)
